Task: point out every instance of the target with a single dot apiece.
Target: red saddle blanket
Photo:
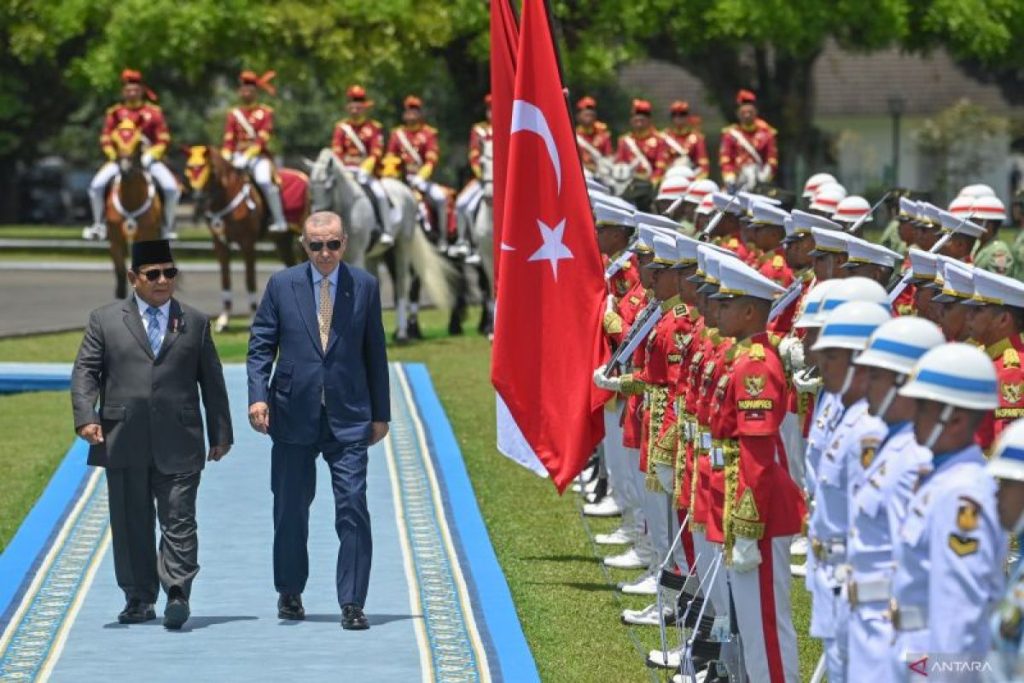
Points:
(294, 194)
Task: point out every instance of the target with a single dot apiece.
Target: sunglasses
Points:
(333, 245)
(154, 274)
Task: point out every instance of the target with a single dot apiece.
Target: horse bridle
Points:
(216, 218)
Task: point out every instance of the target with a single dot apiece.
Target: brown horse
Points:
(237, 214)
(134, 208)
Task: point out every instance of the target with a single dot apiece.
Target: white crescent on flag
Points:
(528, 117)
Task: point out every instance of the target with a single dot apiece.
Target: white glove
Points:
(362, 177)
(602, 381)
(720, 628)
(745, 555)
(418, 182)
(240, 162)
(764, 174)
(805, 384)
(147, 160)
(792, 351)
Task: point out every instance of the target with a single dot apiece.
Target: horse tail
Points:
(435, 273)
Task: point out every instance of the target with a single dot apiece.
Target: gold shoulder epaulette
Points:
(778, 261)
(1011, 359)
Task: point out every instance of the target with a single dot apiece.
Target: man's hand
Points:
(380, 430)
(218, 452)
(259, 417)
(93, 433)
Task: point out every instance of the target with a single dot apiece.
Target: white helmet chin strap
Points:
(947, 412)
(848, 380)
(890, 396)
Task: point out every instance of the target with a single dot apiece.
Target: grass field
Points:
(568, 610)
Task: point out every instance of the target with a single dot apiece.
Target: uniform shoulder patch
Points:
(757, 351)
(967, 514)
(754, 385)
(679, 310)
(1012, 391)
(778, 261)
(1011, 359)
(635, 300)
(868, 449)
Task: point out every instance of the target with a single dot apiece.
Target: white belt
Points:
(829, 551)
(860, 592)
(907, 617)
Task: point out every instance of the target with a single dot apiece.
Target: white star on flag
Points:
(553, 249)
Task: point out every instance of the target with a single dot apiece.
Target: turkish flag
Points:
(551, 292)
(504, 43)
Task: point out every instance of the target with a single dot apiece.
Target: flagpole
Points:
(554, 27)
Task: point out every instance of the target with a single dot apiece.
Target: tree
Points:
(771, 46)
(61, 61)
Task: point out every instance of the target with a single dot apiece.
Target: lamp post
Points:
(896, 104)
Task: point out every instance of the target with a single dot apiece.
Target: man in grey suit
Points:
(135, 389)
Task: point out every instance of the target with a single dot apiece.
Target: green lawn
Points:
(569, 612)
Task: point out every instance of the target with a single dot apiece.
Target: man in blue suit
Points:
(329, 395)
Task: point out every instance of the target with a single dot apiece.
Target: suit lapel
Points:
(303, 287)
(175, 322)
(133, 321)
(343, 298)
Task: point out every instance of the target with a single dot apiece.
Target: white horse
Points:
(483, 238)
(334, 188)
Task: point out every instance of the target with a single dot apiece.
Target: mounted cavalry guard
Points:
(149, 119)
(247, 131)
(358, 144)
(480, 158)
(415, 144)
(684, 143)
(641, 147)
(748, 156)
(593, 138)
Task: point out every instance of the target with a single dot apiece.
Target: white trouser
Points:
(470, 196)
(656, 511)
(623, 484)
(262, 174)
(438, 198)
(870, 644)
(161, 175)
(764, 615)
(716, 591)
(389, 215)
(830, 613)
(636, 486)
(666, 475)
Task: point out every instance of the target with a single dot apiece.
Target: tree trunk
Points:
(10, 204)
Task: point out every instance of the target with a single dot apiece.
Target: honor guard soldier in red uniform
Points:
(684, 143)
(480, 159)
(415, 143)
(358, 144)
(247, 132)
(768, 224)
(149, 120)
(995, 321)
(764, 507)
(641, 147)
(593, 137)
(747, 155)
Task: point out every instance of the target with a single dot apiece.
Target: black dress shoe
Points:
(177, 611)
(290, 607)
(353, 619)
(136, 612)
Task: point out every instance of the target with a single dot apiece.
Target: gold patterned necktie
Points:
(326, 310)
